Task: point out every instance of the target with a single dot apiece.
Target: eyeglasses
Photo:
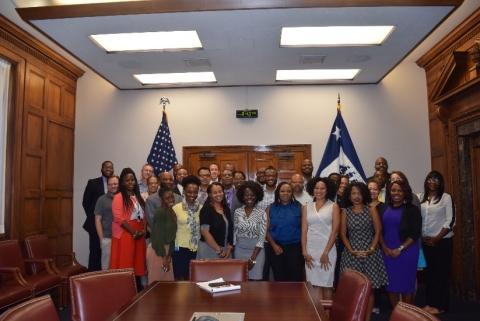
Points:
(433, 180)
(204, 175)
(238, 179)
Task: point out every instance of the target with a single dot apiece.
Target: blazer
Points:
(92, 193)
(410, 223)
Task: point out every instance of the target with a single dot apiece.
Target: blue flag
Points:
(162, 155)
(340, 155)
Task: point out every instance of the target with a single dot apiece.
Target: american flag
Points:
(162, 155)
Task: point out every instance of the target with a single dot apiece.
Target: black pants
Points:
(266, 266)
(95, 256)
(289, 265)
(438, 273)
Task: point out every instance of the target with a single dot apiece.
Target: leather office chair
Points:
(96, 295)
(351, 298)
(407, 312)
(14, 292)
(229, 270)
(40, 308)
(38, 248)
(12, 267)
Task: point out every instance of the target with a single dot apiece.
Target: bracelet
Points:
(400, 248)
(372, 249)
(219, 251)
(253, 261)
(134, 235)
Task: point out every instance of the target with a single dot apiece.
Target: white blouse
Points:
(437, 216)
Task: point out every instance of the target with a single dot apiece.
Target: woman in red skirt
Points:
(128, 227)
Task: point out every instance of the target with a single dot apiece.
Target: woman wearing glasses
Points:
(238, 179)
(438, 213)
(128, 227)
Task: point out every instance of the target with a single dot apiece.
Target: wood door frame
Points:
(188, 151)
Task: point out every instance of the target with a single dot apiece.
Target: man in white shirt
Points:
(214, 173)
(298, 190)
(269, 188)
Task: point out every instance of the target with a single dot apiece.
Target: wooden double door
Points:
(287, 159)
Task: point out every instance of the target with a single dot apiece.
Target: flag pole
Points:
(338, 104)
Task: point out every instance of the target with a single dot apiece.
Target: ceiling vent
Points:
(200, 62)
(310, 59)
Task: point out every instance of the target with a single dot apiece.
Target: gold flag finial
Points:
(339, 107)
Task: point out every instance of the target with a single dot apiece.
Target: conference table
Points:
(275, 301)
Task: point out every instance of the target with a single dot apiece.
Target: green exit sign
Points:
(247, 113)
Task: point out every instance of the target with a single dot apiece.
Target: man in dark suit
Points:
(96, 187)
(230, 193)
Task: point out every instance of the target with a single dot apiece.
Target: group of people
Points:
(317, 225)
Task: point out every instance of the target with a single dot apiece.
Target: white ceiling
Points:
(242, 46)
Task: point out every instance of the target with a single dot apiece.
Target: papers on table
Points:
(216, 289)
(220, 316)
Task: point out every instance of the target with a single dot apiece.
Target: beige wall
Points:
(388, 119)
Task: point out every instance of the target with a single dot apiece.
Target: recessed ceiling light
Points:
(148, 41)
(316, 74)
(176, 78)
(334, 36)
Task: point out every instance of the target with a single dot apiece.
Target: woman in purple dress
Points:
(402, 227)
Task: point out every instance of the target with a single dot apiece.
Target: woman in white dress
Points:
(320, 226)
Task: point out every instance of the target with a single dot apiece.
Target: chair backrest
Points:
(351, 298)
(38, 248)
(229, 270)
(11, 256)
(407, 312)
(94, 296)
(41, 308)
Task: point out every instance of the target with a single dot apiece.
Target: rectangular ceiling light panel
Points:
(148, 41)
(335, 36)
(45, 3)
(316, 74)
(176, 78)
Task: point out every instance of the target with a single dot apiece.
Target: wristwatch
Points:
(254, 262)
(400, 249)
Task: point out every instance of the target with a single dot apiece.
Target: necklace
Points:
(318, 209)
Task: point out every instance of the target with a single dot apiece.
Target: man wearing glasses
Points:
(205, 177)
(96, 187)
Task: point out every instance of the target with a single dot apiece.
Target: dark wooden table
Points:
(263, 301)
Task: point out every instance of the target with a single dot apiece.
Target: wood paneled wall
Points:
(453, 84)
(40, 139)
